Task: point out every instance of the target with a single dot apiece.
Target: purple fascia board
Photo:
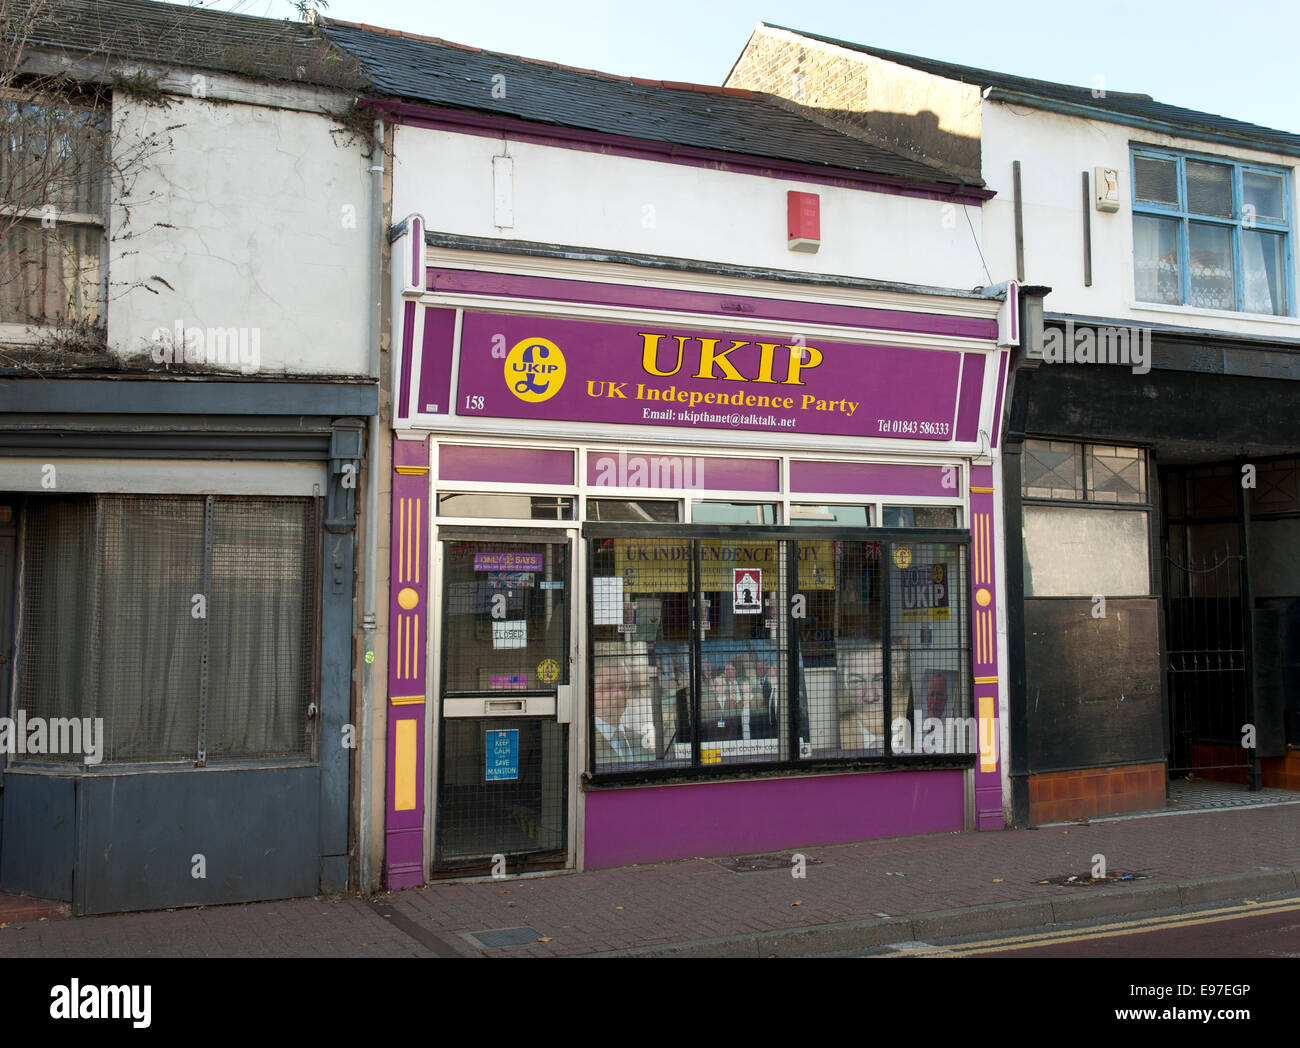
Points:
(867, 478)
(647, 469)
(463, 281)
(472, 123)
(408, 338)
(505, 465)
(968, 398)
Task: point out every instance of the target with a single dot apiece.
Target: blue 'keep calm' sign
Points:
(503, 754)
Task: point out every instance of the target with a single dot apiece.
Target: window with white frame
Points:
(1211, 233)
(53, 197)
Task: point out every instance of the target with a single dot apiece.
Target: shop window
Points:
(1277, 488)
(661, 511)
(733, 512)
(698, 658)
(1099, 546)
(507, 507)
(919, 517)
(1077, 552)
(186, 626)
(1210, 233)
(830, 516)
(53, 179)
(1065, 471)
(1053, 469)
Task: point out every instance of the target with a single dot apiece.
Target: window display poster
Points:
(508, 560)
(925, 593)
(607, 601)
(502, 754)
(748, 588)
(512, 633)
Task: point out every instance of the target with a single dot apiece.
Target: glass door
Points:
(503, 735)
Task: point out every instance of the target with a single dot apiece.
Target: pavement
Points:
(851, 896)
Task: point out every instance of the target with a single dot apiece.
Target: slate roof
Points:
(429, 70)
(1123, 104)
(142, 31)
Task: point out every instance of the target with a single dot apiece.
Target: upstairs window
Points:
(1211, 233)
(53, 195)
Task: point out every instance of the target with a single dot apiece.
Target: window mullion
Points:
(886, 646)
(96, 605)
(204, 631)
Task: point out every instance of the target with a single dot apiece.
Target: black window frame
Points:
(790, 763)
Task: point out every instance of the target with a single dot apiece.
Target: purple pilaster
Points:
(408, 623)
(984, 643)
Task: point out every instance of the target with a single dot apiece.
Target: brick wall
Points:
(924, 117)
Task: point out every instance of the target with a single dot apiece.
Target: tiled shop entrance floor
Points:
(1205, 795)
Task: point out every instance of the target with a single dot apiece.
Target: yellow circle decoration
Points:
(535, 369)
(407, 598)
(983, 597)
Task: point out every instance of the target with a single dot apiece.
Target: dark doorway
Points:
(1209, 611)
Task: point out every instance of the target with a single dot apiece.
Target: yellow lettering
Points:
(798, 363)
(765, 361)
(650, 354)
(709, 355)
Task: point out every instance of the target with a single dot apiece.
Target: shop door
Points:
(1209, 666)
(503, 734)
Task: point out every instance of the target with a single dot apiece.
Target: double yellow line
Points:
(1102, 931)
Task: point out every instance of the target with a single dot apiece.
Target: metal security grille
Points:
(506, 612)
(740, 646)
(520, 814)
(188, 626)
(1209, 697)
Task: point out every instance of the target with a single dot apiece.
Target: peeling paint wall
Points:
(252, 219)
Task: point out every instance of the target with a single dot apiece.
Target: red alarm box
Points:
(804, 212)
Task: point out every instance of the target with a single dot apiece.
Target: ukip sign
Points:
(521, 367)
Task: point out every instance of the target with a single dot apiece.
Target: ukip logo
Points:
(535, 370)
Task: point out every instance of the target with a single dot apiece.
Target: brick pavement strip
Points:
(884, 891)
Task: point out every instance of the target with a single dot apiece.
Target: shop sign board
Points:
(651, 374)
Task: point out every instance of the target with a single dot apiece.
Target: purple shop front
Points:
(743, 818)
(570, 487)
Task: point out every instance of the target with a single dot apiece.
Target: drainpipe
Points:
(372, 512)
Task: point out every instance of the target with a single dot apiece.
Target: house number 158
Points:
(473, 403)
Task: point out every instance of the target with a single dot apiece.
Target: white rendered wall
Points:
(269, 217)
(1053, 151)
(584, 199)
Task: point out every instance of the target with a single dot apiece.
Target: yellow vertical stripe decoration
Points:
(988, 735)
(401, 539)
(415, 631)
(419, 538)
(988, 548)
(404, 766)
